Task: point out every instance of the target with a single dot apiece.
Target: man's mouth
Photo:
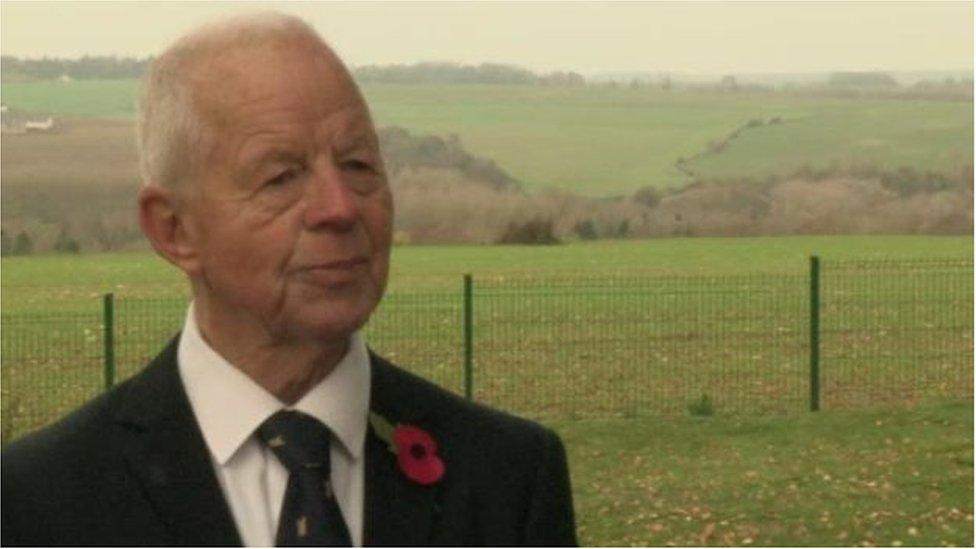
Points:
(339, 264)
(336, 271)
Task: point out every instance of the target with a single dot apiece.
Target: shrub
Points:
(702, 407)
(648, 197)
(23, 245)
(585, 230)
(716, 146)
(623, 229)
(66, 244)
(536, 231)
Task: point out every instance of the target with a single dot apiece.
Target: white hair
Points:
(171, 135)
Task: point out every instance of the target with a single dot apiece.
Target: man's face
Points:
(291, 216)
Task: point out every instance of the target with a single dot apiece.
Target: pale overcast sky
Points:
(690, 37)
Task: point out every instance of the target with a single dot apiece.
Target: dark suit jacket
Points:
(132, 468)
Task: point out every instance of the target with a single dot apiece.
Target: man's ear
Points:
(163, 219)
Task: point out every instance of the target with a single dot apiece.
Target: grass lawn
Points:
(78, 281)
(877, 478)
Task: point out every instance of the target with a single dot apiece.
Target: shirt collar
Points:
(230, 406)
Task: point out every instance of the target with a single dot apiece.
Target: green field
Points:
(82, 98)
(604, 142)
(71, 281)
(826, 479)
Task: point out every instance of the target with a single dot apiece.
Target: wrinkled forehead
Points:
(303, 77)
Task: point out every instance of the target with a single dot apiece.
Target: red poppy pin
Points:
(415, 449)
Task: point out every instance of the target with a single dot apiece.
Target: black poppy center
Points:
(418, 451)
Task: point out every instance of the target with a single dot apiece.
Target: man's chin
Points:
(333, 325)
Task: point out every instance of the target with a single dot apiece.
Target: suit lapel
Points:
(397, 511)
(166, 452)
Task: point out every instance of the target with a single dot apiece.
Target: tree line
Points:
(111, 66)
(869, 84)
(88, 66)
(456, 73)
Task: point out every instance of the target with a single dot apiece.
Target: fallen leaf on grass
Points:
(707, 533)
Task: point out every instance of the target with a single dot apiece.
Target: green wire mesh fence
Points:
(896, 333)
(889, 333)
(653, 344)
(51, 364)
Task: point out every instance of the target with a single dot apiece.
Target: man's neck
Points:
(286, 369)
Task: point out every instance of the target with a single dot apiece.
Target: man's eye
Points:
(282, 178)
(356, 165)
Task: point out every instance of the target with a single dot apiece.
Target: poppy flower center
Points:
(417, 451)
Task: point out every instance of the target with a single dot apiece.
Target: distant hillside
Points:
(77, 183)
(73, 188)
(600, 141)
(402, 150)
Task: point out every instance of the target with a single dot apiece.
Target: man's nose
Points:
(329, 201)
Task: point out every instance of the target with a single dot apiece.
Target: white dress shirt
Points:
(229, 407)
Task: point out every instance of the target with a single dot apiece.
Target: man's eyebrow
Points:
(355, 139)
(268, 155)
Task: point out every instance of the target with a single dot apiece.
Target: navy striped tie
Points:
(310, 515)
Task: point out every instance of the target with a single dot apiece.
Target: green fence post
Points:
(814, 333)
(108, 302)
(468, 338)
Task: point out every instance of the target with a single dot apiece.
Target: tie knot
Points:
(298, 440)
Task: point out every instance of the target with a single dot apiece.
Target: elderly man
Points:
(267, 421)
